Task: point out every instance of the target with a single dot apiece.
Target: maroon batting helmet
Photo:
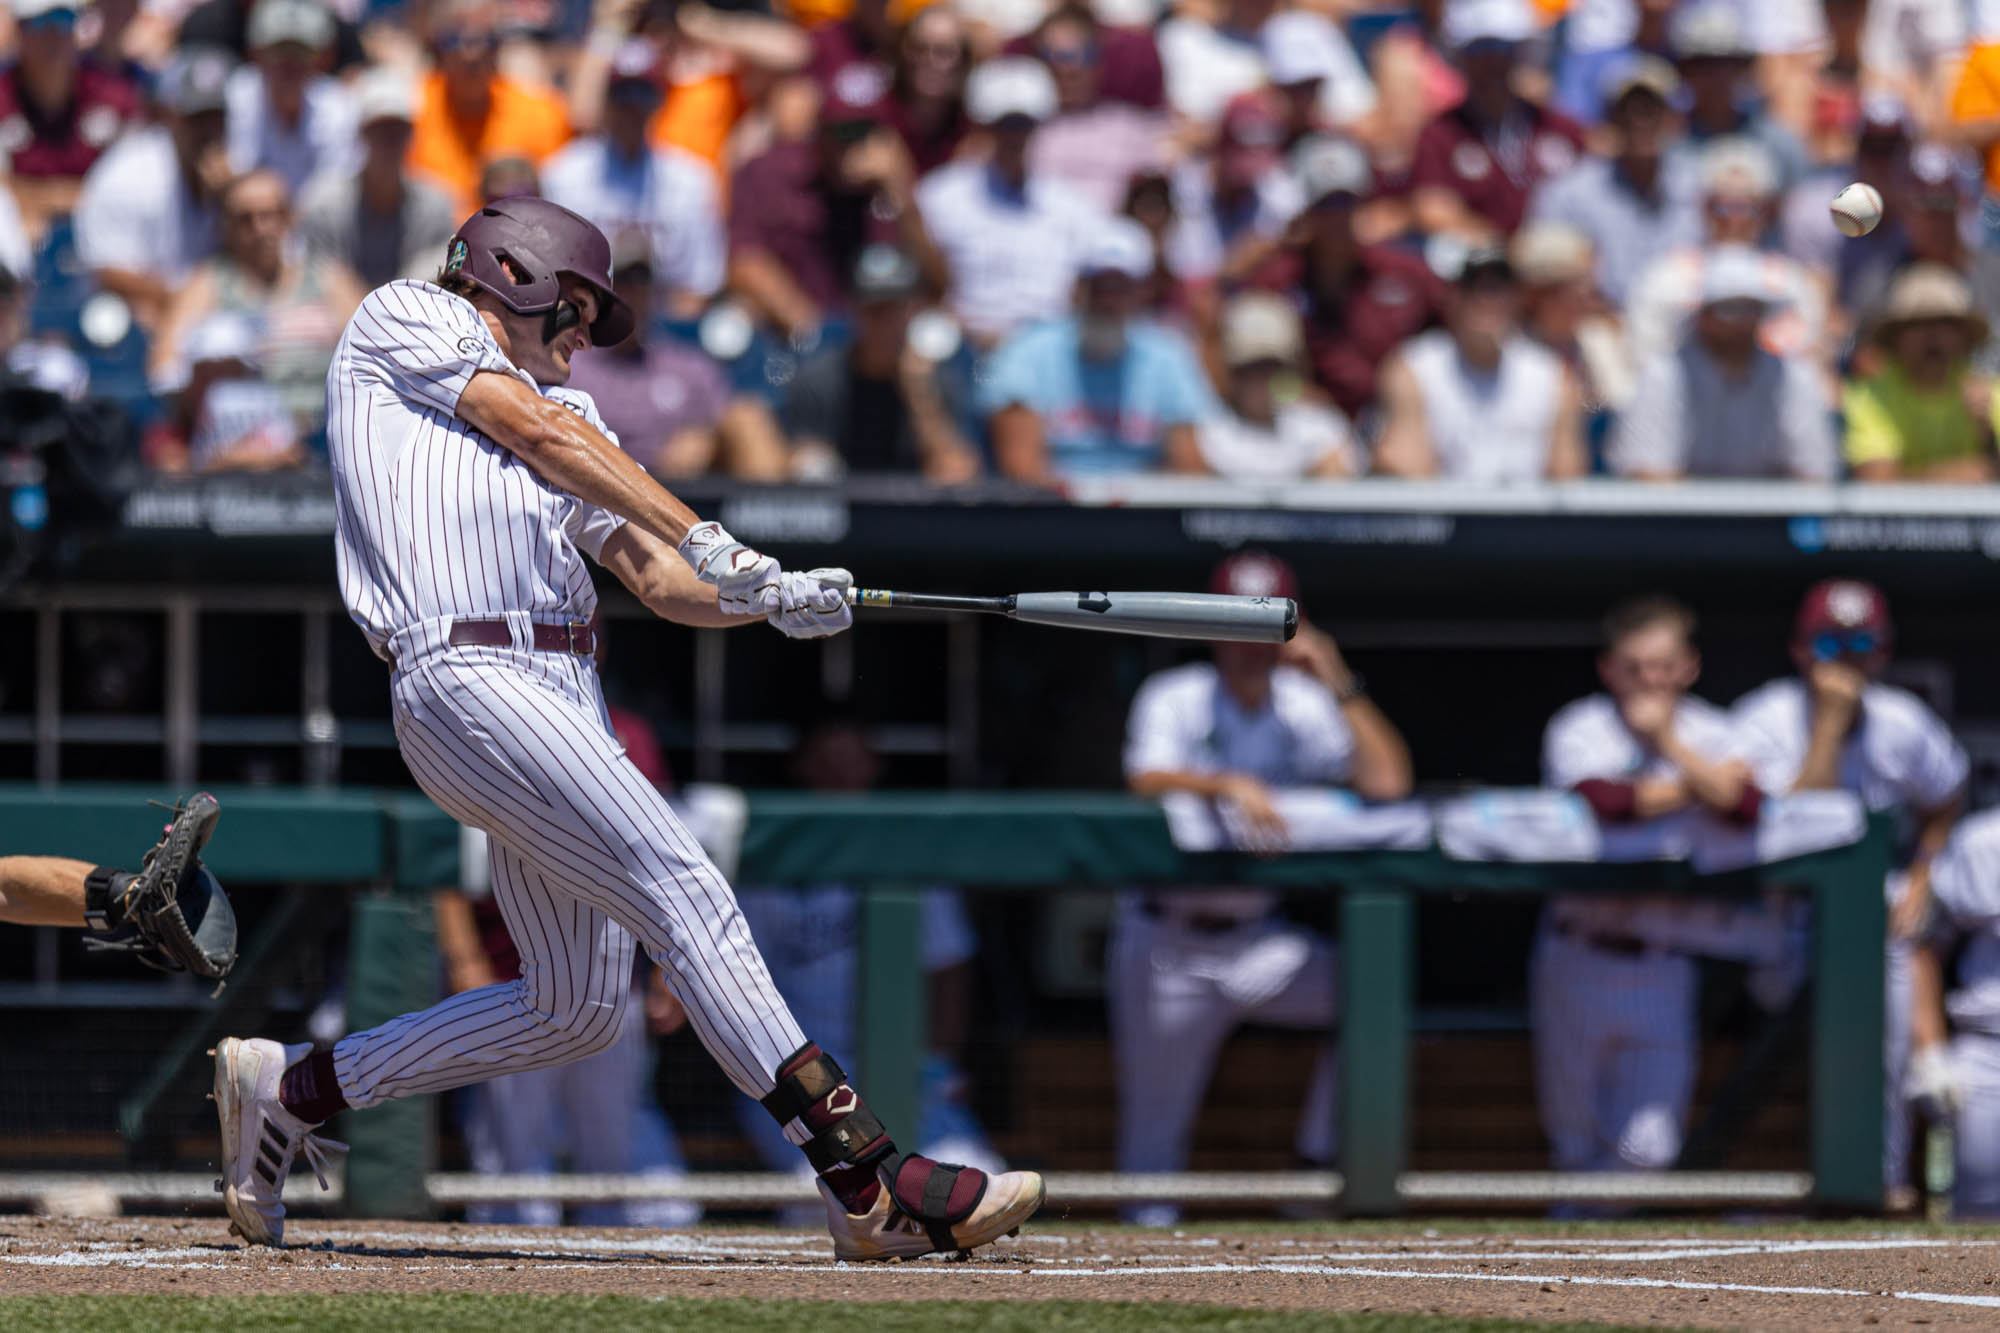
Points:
(518, 249)
(1255, 574)
(1843, 618)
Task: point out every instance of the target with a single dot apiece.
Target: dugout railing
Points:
(400, 847)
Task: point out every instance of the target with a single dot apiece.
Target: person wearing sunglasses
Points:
(1834, 726)
(468, 113)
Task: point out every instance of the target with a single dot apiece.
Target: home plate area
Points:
(1765, 1278)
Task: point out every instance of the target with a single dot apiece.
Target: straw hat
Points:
(1926, 292)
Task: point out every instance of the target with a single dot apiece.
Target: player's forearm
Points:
(1160, 782)
(656, 574)
(42, 891)
(1381, 758)
(1821, 769)
(1927, 1018)
(1934, 830)
(1653, 797)
(1721, 788)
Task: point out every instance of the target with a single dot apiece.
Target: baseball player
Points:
(1955, 1039)
(172, 914)
(1835, 726)
(469, 484)
(1185, 969)
(1613, 980)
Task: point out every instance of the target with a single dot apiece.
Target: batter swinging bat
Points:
(1164, 615)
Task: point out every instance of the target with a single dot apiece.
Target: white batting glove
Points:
(1932, 1083)
(814, 604)
(745, 581)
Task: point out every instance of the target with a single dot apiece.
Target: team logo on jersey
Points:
(1470, 161)
(454, 258)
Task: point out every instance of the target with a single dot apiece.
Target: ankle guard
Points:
(936, 1194)
(813, 1090)
(103, 900)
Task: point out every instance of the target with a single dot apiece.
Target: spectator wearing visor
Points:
(1092, 144)
(1715, 58)
(286, 113)
(1477, 164)
(1478, 400)
(146, 216)
(621, 182)
(1011, 237)
(1923, 416)
(1102, 390)
(882, 402)
(1640, 201)
(1720, 404)
(378, 220)
(1272, 427)
(469, 113)
(58, 111)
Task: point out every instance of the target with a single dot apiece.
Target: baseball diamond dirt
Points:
(1800, 1277)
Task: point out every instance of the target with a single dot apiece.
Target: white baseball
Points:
(1857, 209)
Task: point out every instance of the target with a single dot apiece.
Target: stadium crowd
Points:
(1495, 240)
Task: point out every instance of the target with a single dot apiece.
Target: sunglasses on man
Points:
(1831, 646)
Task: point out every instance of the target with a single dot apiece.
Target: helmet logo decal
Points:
(454, 258)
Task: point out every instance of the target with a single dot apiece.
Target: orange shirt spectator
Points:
(698, 114)
(1977, 100)
(519, 122)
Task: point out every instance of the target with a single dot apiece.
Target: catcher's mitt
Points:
(173, 914)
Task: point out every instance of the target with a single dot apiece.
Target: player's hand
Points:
(1932, 1082)
(1263, 826)
(813, 605)
(1836, 689)
(1649, 713)
(745, 581)
(1313, 651)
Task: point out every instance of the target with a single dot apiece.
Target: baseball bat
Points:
(1164, 615)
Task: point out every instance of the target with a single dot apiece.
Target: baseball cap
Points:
(276, 22)
(1926, 292)
(1708, 32)
(1327, 166)
(384, 94)
(1254, 574)
(1252, 134)
(1484, 261)
(193, 80)
(635, 61)
(1261, 326)
(25, 10)
(1469, 21)
(1738, 168)
(1734, 273)
(1884, 116)
(1843, 605)
(1299, 47)
(884, 273)
(1548, 252)
(1642, 73)
(1935, 176)
(1010, 86)
(1119, 246)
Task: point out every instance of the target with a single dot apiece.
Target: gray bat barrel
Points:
(1166, 615)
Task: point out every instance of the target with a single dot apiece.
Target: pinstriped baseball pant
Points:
(588, 864)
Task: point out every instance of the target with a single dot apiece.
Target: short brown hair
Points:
(1637, 613)
(458, 285)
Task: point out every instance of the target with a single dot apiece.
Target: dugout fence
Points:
(397, 848)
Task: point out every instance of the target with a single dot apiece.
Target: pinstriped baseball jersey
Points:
(435, 520)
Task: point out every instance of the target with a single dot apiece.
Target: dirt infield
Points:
(1766, 1278)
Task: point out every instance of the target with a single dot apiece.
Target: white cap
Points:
(34, 9)
(1708, 30)
(1299, 47)
(1326, 164)
(1469, 21)
(1127, 13)
(1119, 246)
(1738, 167)
(275, 22)
(1010, 86)
(1735, 273)
(1261, 326)
(384, 93)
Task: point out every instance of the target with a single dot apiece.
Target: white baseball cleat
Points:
(260, 1138)
(888, 1231)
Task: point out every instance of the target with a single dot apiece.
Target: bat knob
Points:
(1291, 619)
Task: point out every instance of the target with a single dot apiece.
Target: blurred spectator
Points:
(620, 182)
(1011, 237)
(1315, 73)
(1479, 400)
(1643, 200)
(146, 215)
(58, 111)
(802, 212)
(224, 25)
(1561, 310)
(1715, 58)
(1721, 405)
(468, 113)
(1208, 62)
(299, 305)
(1128, 58)
(851, 54)
(1930, 211)
(1739, 203)
(47, 362)
(1922, 416)
(379, 221)
(1414, 84)
(1093, 145)
(1975, 106)
(1361, 301)
(669, 404)
(1875, 151)
(1272, 429)
(1101, 390)
(1910, 49)
(231, 418)
(1598, 37)
(1232, 206)
(285, 111)
(1477, 163)
(927, 91)
(1149, 201)
(880, 403)
(508, 177)
(1185, 969)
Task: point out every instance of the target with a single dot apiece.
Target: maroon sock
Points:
(310, 1091)
(855, 1186)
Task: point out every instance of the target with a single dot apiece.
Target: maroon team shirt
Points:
(1495, 176)
(781, 206)
(102, 105)
(1390, 295)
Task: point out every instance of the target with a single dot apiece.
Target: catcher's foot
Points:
(927, 1207)
(260, 1138)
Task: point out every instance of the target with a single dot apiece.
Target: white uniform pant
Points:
(588, 863)
(1895, 1063)
(599, 1113)
(1614, 1053)
(1975, 1058)
(1175, 995)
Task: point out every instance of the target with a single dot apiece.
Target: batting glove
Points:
(746, 581)
(814, 604)
(1932, 1082)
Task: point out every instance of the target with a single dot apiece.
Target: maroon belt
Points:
(574, 638)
